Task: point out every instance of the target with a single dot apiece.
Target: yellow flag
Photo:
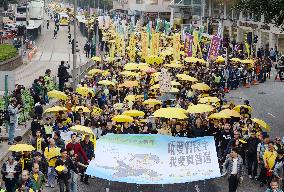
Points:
(176, 46)
(144, 45)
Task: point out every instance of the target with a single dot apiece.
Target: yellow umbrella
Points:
(152, 102)
(209, 100)
(57, 94)
(230, 112)
(97, 111)
(191, 59)
(85, 109)
(96, 58)
(21, 147)
(130, 98)
(247, 61)
(174, 83)
(238, 108)
(156, 86)
(174, 90)
(173, 65)
(235, 60)
(84, 91)
(261, 123)
(129, 73)
(219, 116)
(81, 129)
(60, 168)
(131, 66)
(220, 59)
(55, 109)
(106, 82)
(94, 71)
(185, 77)
(122, 119)
(199, 108)
(129, 84)
(201, 86)
(134, 113)
(171, 113)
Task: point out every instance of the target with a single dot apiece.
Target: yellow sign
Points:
(144, 45)
(176, 46)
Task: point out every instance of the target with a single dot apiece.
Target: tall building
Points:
(146, 9)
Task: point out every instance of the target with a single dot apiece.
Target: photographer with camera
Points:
(13, 110)
(63, 75)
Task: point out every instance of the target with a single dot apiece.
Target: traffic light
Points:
(74, 47)
(255, 39)
(249, 38)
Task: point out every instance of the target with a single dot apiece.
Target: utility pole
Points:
(74, 75)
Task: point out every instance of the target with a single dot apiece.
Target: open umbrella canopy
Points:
(191, 59)
(171, 113)
(238, 108)
(21, 148)
(129, 73)
(81, 129)
(130, 98)
(174, 90)
(57, 94)
(261, 123)
(134, 113)
(94, 71)
(131, 67)
(174, 83)
(106, 83)
(96, 58)
(200, 86)
(209, 100)
(122, 119)
(149, 70)
(173, 65)
(129, 84)
(85, 109)
(235, 60)
(185, 77)
(60, 168)
(84, 91)
(156, 86)
(220, 59)
(232, 113)
(152, 102)
(96, 111)
(219, 116)
(199, 108)
(55, 109)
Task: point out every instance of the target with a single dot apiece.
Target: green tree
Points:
(273, 10)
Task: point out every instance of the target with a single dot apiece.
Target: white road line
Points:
(271, 115)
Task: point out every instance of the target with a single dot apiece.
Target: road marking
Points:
(271, 115)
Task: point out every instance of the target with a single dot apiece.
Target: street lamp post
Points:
(74, 75)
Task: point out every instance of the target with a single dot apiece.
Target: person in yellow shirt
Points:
(51, 153)
(269, 158)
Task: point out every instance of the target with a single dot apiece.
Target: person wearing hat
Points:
(13, 110)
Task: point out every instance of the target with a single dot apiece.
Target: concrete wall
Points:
(11, 64)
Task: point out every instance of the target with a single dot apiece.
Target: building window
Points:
(140, 2)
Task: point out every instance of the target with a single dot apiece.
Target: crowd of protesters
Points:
(243, 146)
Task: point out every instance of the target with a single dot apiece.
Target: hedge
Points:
(7, 52)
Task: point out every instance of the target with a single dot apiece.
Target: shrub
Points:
(7, 52)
